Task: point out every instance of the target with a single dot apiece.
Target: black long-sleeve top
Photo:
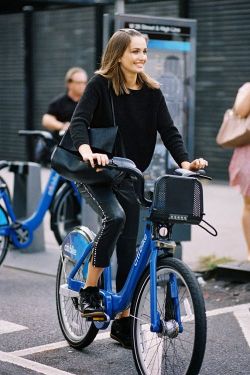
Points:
(138, 115)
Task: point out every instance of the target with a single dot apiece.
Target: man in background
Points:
(61, 108)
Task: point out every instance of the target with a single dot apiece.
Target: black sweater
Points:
(139, 115)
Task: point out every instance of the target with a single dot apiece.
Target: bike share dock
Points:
(223, 206)
(26, 181)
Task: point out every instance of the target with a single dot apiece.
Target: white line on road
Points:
(229, 309)
(52, 346)
(241, 312)
(8, 327)
(34, 366)
(243, 318)
(40, 348)
(105, 335)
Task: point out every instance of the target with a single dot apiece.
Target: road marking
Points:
(27, 364)
(15, 358)
(229, 309)
(8, 327)
(241, 313)
(243, 318)
(52, 346)
(40, 348)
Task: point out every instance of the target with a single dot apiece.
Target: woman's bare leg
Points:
(94, 274)
(123, 314)
(246, 223)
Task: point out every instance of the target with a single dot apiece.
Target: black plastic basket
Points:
(177, 199)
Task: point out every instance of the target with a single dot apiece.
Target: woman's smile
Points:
(135, 56)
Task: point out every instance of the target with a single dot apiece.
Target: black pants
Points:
(120, 211)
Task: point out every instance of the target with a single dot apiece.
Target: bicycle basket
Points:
(177, 199)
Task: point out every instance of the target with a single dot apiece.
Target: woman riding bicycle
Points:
(140, 112)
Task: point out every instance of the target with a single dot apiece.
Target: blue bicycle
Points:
(167, 306)
(61, 197)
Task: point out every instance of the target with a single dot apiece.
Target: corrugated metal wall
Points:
(223, 64)
(62, 39)
(12, 85)
(154, 8)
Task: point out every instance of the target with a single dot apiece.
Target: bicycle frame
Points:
(117, 302)
(31, 223)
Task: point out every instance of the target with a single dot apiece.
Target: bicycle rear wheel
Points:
(78, 331)
(3, 182)
(4, 240)
(176, 353)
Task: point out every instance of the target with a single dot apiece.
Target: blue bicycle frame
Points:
(116, 302)
(31, 223)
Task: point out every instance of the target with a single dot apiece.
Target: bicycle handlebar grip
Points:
(201, 173)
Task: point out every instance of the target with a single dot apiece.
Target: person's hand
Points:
(65, 126)
(195, 165)
(93, 158)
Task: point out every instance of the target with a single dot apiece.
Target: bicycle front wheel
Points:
(78, 331)
(176, 353)
(4, 240)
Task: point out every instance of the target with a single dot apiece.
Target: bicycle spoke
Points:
(159, 353)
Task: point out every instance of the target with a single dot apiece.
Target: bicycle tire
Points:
(77, 331)
(4, 240)
(66, 212)
(2, 181)
(178, 355)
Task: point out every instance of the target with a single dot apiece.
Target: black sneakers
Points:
(90, 302)
(121, 332)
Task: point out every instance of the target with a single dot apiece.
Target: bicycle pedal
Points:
(94, 314)
(98, 318)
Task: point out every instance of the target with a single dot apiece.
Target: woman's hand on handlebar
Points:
(195, 165)
(93, 158)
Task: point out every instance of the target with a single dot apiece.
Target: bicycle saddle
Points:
(4, 164)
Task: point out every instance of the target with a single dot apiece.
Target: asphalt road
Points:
(31, 342)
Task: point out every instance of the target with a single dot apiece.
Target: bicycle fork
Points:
(168, 326)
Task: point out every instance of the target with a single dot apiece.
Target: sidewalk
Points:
(222, 205)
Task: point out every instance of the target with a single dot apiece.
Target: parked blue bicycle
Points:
(61, 197)
(166, 303)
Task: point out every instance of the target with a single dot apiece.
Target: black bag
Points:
(70, 165)
(100, 139)
(67, 161)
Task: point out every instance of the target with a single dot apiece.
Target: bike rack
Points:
(27, 192)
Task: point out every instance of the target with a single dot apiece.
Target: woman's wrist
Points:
(84, 148)
(185, 165)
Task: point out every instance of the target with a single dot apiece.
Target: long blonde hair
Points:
(110, 66)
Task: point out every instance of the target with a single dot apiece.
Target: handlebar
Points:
(186, 173)
(47, 136)
(128, 166)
